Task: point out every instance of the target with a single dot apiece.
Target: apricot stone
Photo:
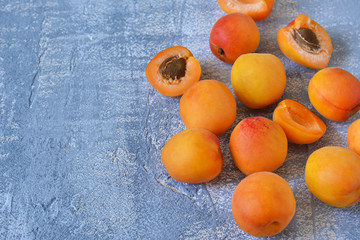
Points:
(335, 93)
(332, 174)
(263, 204)
(208, 104)
(258, 79)
(193, 156)
(353, 136)
(233, 35)
(258, 144)
(300, 125)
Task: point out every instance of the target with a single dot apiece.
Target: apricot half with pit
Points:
(335, 93)
(257, 9)
(263, 204)
(193, 156)
(208, 104)
(173, 70)
(305, 42)
(332, 174)
(258, 79)
(233, 35)
(258, 144)
(300, 125)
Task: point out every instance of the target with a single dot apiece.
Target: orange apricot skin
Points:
(263, 204)
(258, 79)
(208, 104)
(193, 156)
(300, 125)
(332, 174)
(233, 35)
(257, 9)
(335, 93)
(157, 81)
(353, 136)
(292, 49)
(258, 144)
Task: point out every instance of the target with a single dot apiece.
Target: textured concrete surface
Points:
(82, 130)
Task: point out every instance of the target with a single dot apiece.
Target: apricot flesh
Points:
(263, 204)
(353, 136)
(208, 104)
(258, 144)
(193, 156)
(233, 35)
(335, 93)
(305, 42)
(332, 174)
(257, 9)
(258, 79)
(173, 70)
(300, 125)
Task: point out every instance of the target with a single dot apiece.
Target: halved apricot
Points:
(173, 70)
(300, 125)
(305, 42)
(257, 9)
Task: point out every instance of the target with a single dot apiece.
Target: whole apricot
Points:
(258, 144)
(232, 35)
(193, 156)
(172, 71)
(263, 204)
(300, 125)
(353, 136)
(208, 104)
(258, 79)
(332, 174)
(305, 42)
(335, 93)
(257, 9)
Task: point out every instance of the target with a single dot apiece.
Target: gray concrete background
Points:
(82, 130)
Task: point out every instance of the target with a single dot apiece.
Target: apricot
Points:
(335, 93)
(258, 79)
(353, 136)
(305, 42)
(172, 71)
(258, 144)
(300, 125)
(257, 9)
(232, 35)
(332, 174)
(210, 105)
(193, 156)
(263, 204)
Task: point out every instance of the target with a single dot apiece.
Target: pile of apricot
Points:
(263, 203)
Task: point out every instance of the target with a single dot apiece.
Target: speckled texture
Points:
(82, 130)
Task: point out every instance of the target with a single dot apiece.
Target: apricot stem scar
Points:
(307, 40)
(221, 52)
(173, 68)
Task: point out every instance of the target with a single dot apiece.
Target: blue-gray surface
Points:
(82, 130)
